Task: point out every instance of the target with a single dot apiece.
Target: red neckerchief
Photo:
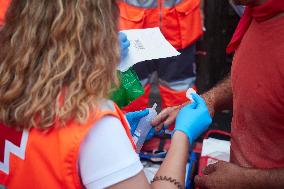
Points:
(259, 13)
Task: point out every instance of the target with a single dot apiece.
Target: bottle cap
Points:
(155, 106)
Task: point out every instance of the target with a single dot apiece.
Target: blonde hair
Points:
(58, 58)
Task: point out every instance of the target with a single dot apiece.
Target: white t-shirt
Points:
(106, 155)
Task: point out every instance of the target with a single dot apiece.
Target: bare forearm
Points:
(265, 178)
(174, 164)
(202, 13)
(219, 97)
(202, 5)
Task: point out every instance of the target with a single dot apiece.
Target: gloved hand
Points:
(124, 44)
(193, 119)
(133, 119)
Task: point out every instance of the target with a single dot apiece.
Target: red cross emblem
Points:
(11, 141)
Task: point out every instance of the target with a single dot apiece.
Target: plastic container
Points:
(130, 88)
(143, 128)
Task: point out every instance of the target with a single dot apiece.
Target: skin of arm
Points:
(265, 178)
(173, 166)
(202, 4)
(202, 12)
(223, 175)
(220, 97)
(217, 99)
(176, 159)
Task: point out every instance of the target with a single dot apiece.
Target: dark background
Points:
(213, 64)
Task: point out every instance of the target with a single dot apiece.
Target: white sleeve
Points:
(106, 155)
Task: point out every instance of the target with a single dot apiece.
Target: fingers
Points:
(165, 117)
(209, 169)
(159, 127)
(125, 45)
(160, 132)
(122, 36)
(192, 105)
(161, 117)
(171, 119)
(140, 114)
(137, 115)
(198, 99)
(200, 181)
(208, 180)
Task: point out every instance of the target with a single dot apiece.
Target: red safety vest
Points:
(47, 159)
(4, 4)
(179, 20)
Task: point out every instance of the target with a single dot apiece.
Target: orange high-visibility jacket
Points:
(4, 4)
(179, 20)
(47, 159)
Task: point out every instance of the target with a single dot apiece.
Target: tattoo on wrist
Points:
(168, 179)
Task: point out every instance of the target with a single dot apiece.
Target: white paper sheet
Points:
(218, 149)
(146, 44)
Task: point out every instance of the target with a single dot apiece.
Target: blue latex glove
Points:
(133, 119)
(193, 119)
(124, 44)
(151, 134)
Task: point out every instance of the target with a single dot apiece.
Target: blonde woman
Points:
(58, 64)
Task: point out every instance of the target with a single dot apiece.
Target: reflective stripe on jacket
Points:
(47, 159)
(179, 20)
